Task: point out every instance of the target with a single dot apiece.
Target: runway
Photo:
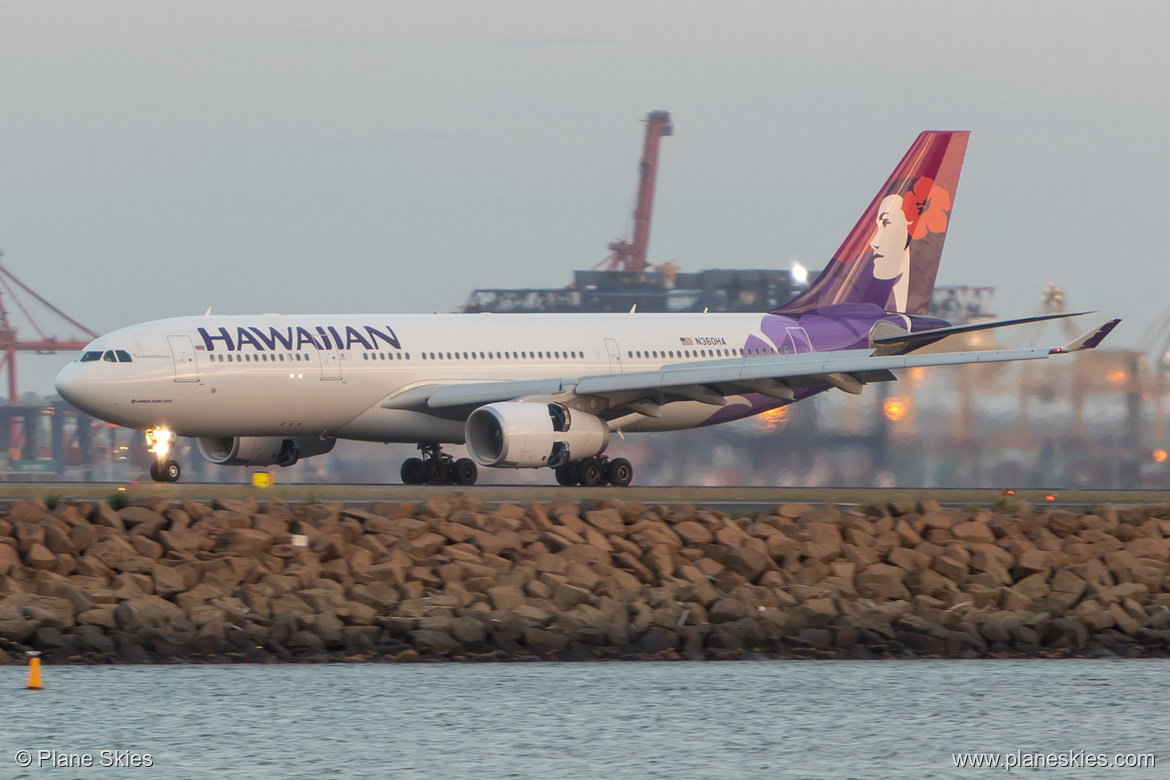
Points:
(732, 500)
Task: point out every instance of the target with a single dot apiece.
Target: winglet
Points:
(1088, 341)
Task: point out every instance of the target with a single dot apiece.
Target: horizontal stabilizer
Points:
(912, 341)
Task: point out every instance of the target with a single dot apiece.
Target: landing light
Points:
(1160, 456)
(160, 441)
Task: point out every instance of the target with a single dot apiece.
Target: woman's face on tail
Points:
(889, 241)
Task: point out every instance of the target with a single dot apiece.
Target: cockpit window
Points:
(89, 357)
(109, 357)
(123, 356)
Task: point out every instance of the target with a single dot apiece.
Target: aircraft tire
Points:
(171, 471)
(592, 474)
(412, 470)
(619, 472)
(155, 472)
(465, 471)
(435, 471)
(564, 477)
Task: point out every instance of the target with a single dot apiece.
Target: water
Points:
(830, 720)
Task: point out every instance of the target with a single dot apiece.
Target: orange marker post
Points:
(34, 673)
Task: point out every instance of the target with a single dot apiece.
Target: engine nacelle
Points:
(261, 450)
(531, 435)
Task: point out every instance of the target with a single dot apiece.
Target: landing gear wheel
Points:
(465, 471)
(170, 471)
(412, 470)
(155, 474)
(591, 472)
(619, 472)
(564, 478)
(435, 471)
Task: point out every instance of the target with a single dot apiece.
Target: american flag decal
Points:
(686, 342)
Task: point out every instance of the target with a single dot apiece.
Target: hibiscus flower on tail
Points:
(926, 207)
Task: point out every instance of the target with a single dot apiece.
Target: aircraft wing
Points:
(711, 381)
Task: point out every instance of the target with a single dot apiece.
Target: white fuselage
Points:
(329, 375)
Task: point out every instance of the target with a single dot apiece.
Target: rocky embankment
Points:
(449, 578)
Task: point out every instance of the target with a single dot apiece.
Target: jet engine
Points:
(261, 450)
(531, 435)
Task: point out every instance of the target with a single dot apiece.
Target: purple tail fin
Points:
(890, 258)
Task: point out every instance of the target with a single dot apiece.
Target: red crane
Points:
(631, 255)
(10, 344)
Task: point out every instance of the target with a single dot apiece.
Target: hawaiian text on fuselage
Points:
(295, 338)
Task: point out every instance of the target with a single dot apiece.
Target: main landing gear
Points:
(165, 468)
(437, 468)
(596, 471)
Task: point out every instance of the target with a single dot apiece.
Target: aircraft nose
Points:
(70, 385)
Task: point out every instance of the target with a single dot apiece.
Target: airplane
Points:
(542, 390)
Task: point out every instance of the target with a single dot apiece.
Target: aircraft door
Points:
(797, 341)
(330, 363)
(615, 356)
(183, 353)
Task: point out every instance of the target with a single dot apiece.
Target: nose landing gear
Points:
(437, 468)
(165, 468)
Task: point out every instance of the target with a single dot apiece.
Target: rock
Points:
(1064, 581)
(693, 533)
(953, 570)
(1034, 586)
(880, 582)
(607, 521)
(746, 561)
(468, 630)
(40, 557)
(566, 596)
(1123, 619)
(544, 641)
(8, 559)
(168, 581)
(974, 532)
(908, 559)
(506, 597)
(726, 610)
(655, 640)
(141, 520)
(660, 560)
(1093, 615)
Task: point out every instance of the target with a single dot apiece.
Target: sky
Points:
(157, 159)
